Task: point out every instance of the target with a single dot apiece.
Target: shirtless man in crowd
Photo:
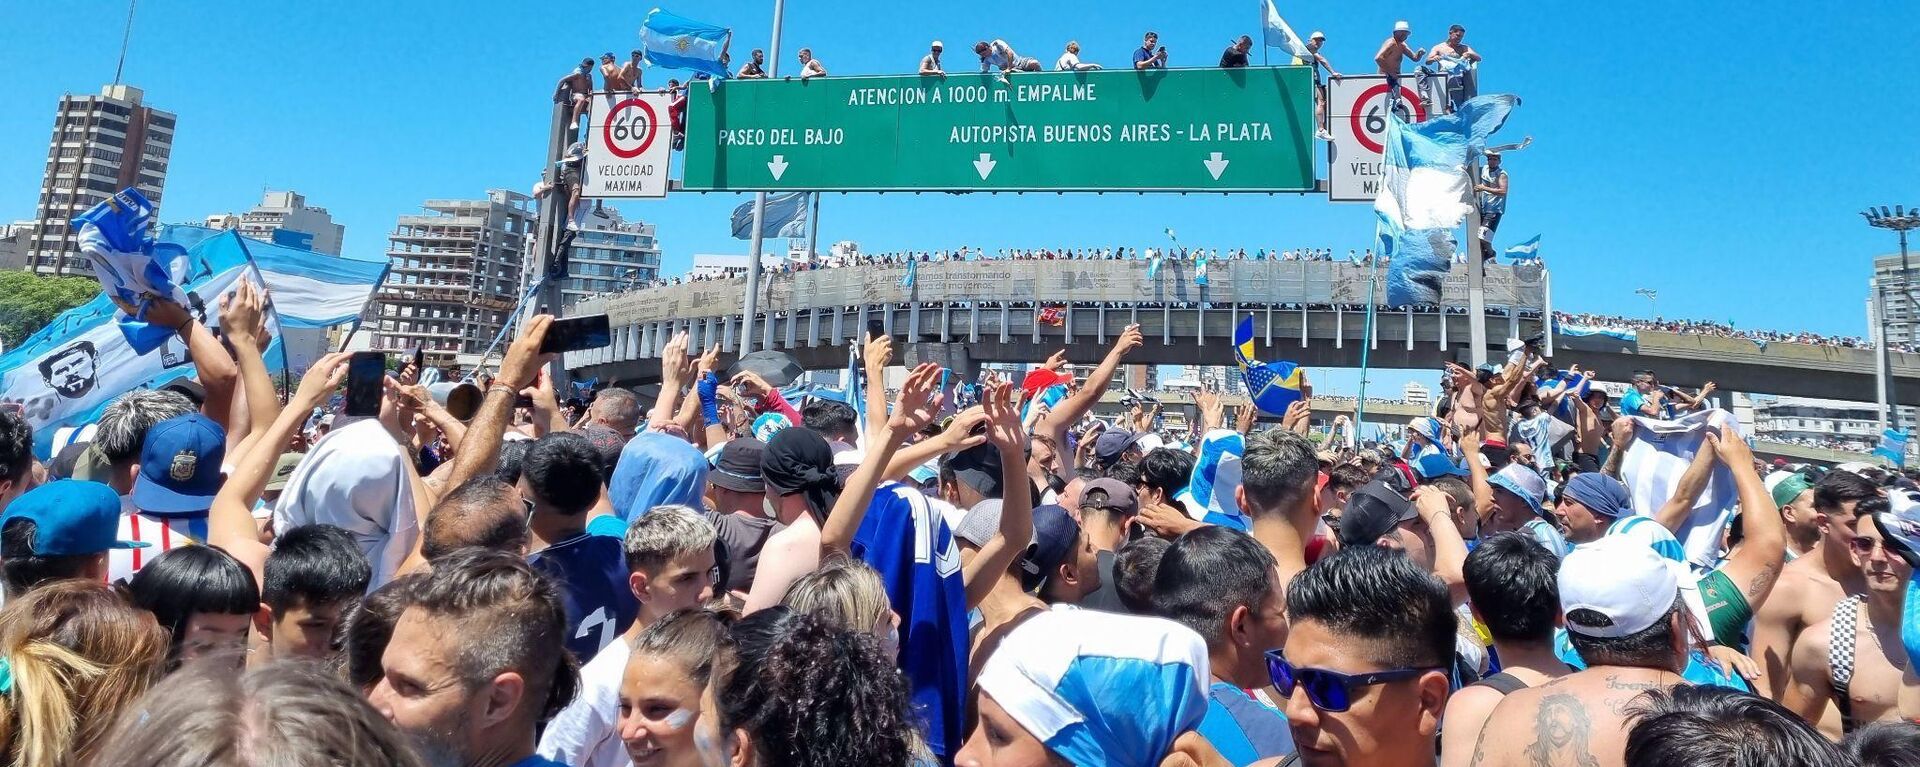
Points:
(1810, 586)
(1853, 661)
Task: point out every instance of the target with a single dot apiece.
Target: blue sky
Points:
(1717, 152)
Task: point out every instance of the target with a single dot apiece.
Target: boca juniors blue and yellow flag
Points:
(1273, 386)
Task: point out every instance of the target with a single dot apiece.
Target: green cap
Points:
(1790, 488)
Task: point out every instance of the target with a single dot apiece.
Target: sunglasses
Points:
(1330, 691)
(528, 503)
(1865, 546)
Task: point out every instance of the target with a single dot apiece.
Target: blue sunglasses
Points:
(1330, 691)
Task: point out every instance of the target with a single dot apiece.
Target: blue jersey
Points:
(591, 573)
(908, 542)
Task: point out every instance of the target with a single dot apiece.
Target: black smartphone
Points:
(875, 329)
(365, 371)
(576, 333)
(419, 360)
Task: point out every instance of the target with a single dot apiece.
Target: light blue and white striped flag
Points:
(66, 373)
(1893, 446)
(681, 43)
(1154, 257)
(1526, 251)
(785, 216)
(1279, 35)
(116, 236)
(1200, 262)
(1422, 193)
(913, 269)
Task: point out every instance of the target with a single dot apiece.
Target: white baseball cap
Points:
(1317, 35)
(1623, 580)
(936, 44)
(1401, 26)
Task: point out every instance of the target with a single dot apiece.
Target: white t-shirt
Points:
(161, 535)
(587, 732)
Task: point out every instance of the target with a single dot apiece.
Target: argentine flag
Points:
(1423, 192)
(116, 236)
(1200, 262)
(1281, 36)
(1526, 251)
(1893, 446)
(680, 43)
(913, 269)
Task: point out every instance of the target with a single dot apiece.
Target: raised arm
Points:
(1070, 410)
(243, 313)
(1755, 566)
(916, 406)
(675, 370)
(1449, 549)
(1622, 440)
(1483, 503)
(479, 451)
(1672, 514)
(1016, 504)
(230, 522)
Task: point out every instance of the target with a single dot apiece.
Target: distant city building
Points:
(100, 145)
(285, 218)
(1142, 377)
(608, 255)
(13, 244)
(1236, 380)
(1821, 422)
(456, 275)
(1898, 287)
(1416, 393)
(710, 265)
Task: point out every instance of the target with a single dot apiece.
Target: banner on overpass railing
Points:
(1244, 282)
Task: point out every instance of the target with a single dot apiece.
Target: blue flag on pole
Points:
(913, 268)
(786, 216)
(681, 43)
(1423, 193)
(1526, 251)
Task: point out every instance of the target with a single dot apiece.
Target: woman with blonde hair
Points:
(848, 593)
(73, 654)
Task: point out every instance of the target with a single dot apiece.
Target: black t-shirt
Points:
(1233, 57)
(742, 537)
(1107, 597)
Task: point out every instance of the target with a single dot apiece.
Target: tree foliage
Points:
(29, 301)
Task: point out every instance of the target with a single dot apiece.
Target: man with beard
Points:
(476, 661)
(71, 371)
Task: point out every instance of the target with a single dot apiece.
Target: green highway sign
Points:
(1172, 130)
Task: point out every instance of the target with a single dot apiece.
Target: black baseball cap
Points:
(737, 468)
(1372, 511)
(977, 467)
(1054, 534)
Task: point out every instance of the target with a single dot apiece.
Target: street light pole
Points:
(1653, 302)
(1900, 221)
(760, 205)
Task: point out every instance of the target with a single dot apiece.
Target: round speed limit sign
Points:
(1369, 119)
(631, 127)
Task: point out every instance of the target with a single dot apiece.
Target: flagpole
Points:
(759, 206)
(1366, 345)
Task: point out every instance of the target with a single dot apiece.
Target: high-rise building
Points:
(610, 254)
(1416, 393)
(1836, 424)
(101, 145)
(1902, 315)
(457, 272)
(285, 218)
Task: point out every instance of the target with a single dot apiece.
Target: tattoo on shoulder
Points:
(1760, 582)
(1563, 731)
(1479, 748)
(1615, 683)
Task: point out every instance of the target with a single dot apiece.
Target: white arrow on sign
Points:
(984, 165)
(779, 166)
(1215, 165)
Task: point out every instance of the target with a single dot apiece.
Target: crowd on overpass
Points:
(1723, 330)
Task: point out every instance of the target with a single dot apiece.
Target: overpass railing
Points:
(1245, 282)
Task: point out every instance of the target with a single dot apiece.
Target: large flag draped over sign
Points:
(66, 373)
(1423, 193)
(1200, 261)
(1281, 36)
(785, 216)
(116, 236)
(1273, 386)
(681, 43)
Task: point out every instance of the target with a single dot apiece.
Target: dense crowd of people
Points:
(1722, 330)
(1538, 575)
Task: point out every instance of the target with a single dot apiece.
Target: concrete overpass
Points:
(962, 314)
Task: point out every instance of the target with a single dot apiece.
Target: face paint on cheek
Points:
(680, 718)
(707, 745)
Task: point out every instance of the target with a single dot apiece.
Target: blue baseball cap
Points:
(73, 517)
(180, 465)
